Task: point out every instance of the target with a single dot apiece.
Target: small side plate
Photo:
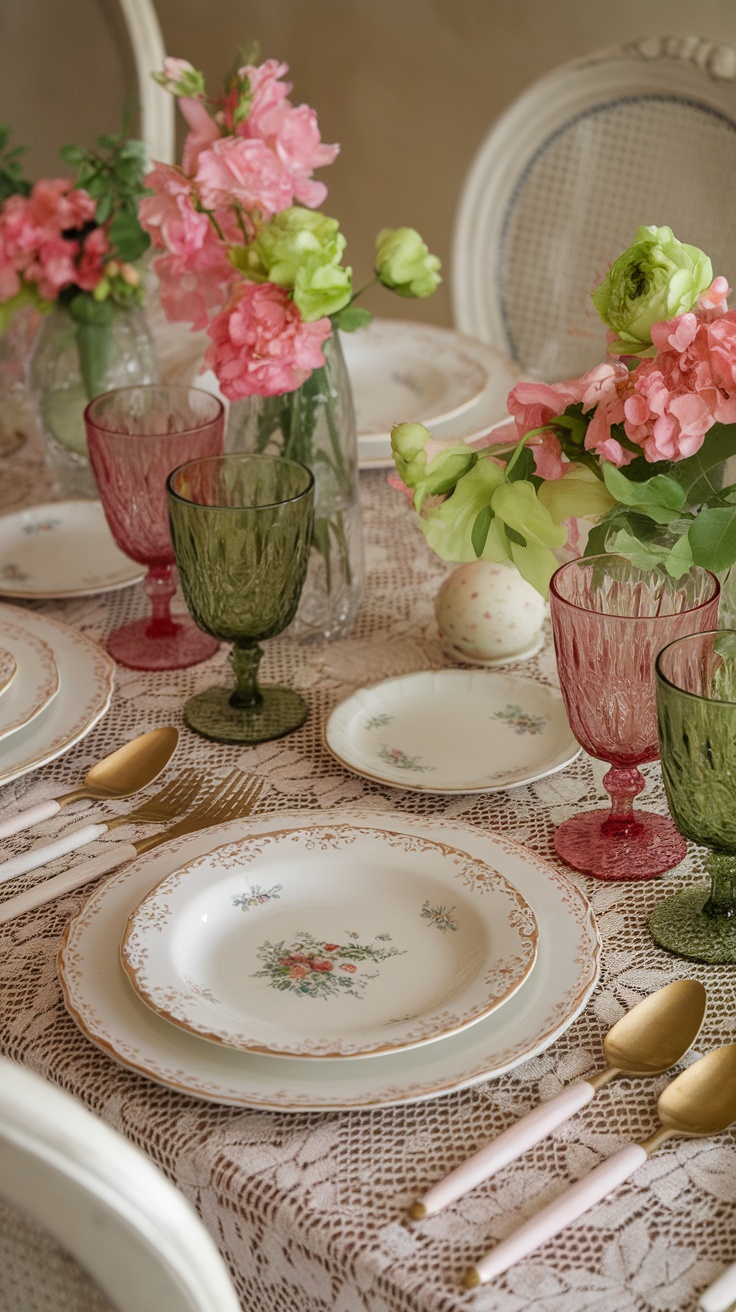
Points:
(63, 549)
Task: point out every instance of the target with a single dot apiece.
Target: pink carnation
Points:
(260, 344)
(244, 171)
(56, 205)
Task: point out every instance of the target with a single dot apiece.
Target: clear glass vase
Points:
(316, 426)
(73, 362)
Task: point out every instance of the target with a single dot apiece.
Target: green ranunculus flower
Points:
(654, 280)
(404, 264)
(301, 250)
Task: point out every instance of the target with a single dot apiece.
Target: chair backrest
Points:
(86, 1189)
(136, 26)
(644, 134)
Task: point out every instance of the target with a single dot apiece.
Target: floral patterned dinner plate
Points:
(330, 941)
(452, 731)
(8, 669)
(63, 549)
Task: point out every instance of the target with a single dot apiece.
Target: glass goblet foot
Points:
(681, 925)
(278, 712)
(641, 848)
(182, 644)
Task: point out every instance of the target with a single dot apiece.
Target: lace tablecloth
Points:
(308, 1209)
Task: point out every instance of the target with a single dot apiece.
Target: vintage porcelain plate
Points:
(401, 370)
(330, 941)
(64, 549)
(8, 669)
(452, 731)
(99, 996)
(86, 673)
(36, 683)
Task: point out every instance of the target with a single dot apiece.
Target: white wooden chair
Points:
(141, 44)
(644, 134)
(87, 1222)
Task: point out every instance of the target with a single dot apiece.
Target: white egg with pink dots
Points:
(488, 614)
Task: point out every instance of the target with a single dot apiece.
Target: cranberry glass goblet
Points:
(610, 619)
(135, 437)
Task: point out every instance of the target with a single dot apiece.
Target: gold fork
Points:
(233, 799)
(165, 805)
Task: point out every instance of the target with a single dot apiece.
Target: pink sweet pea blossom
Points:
(169, 215)
(244, 171)
(291, 132)
(260, 344)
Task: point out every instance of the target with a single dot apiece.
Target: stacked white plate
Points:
(306, 961)
(55, 684)
(63, 549)
(402, 371)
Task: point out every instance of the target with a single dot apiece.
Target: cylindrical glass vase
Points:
(72, 363)
(315, 425)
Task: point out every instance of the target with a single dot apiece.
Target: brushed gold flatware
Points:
(133, 766)
(649, 1039)
(165, 805)
(699, 1103)
(232, 799)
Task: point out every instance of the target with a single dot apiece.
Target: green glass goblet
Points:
(241, 528)
(696, 720)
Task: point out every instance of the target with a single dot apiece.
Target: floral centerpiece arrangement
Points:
(71, 246)
(247, 255)
(637, 446)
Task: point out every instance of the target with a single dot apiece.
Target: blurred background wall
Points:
(408, 87)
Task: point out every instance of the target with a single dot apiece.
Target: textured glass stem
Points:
(622, 784)
(721, 904)
(245, 659)
(160, 586)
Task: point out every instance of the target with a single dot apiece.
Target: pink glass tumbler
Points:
(135, 437)
(610, 619)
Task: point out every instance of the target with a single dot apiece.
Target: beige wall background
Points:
(408, 87)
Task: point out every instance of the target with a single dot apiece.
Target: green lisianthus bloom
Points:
(301, 250)
(404, 264)
(656, 279)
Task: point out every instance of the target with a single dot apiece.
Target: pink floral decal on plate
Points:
(256, 896)
(316, 969)
(395, 756)
(519, 720)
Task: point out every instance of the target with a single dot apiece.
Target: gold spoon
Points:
(649, 1039)
(134, 765)
(700, 1102)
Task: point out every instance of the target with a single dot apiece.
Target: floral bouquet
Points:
(74, 244)
(636, 447)
(248, 256)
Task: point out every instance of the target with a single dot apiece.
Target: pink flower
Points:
(349, 967)
(260, 344)
(90, 267)
(169, 215)
(55, 204)
(244, 171)
(269, 106)
(193, 288)
(292, 133)
(203, 134)
(54, 267)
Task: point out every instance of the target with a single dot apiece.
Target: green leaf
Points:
(481, 526)
(128, 239)
(712, 538)
(73, 155)
(104, 208)
(351, 317)
(701, 475)
(517, 538)
(523, 468)
(680, 559)
(660, 497)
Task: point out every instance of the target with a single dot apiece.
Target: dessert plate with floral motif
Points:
(63, 549)
(330, 941)
(452, 731)
(112, 1016)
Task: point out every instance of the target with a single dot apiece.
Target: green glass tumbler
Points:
(696, 721)
(242, 527)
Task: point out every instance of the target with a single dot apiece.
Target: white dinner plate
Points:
(86, 673)
(403, 371)
(452, 731)
(36, 684)
(381, 401)
(8, 669)
(99, 996)
(330, 941)
(63, 549)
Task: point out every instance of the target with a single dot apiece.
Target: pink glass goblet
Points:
(610, 619)
(135, 437)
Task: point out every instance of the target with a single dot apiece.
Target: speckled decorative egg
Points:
(488, 614)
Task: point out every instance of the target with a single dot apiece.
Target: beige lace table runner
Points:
(308, 1209)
